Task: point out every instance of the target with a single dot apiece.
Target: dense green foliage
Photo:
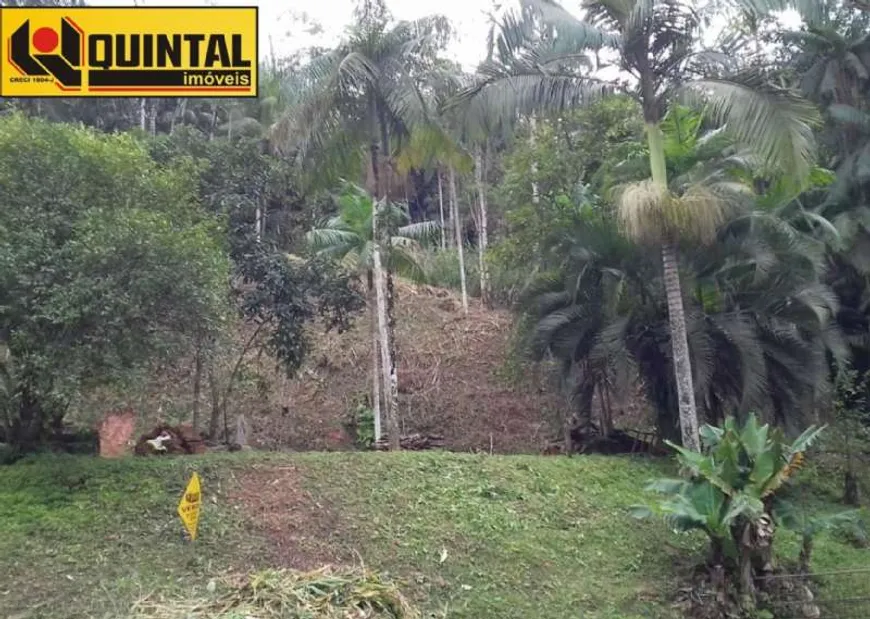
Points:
(775, 301)
(106, 261)
(695, 230)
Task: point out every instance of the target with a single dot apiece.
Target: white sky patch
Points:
(288, 26)
(294, 25)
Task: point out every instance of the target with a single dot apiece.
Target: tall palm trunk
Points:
(258, 220)
(482, 225)
(441, 210)
(152, 118)
(180, 107)
(392, 376)
(387, 365)
(676, 313)
(454, 214)
(213, 124)
(383, 297)
(376, 375)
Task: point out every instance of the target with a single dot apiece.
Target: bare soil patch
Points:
(449, 382)
(303, 532)
(457, 379)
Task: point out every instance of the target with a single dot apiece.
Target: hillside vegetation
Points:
(466, 536)
(637, 230)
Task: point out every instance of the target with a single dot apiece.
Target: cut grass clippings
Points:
(327, 593)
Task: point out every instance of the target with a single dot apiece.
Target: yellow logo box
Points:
(129, 52)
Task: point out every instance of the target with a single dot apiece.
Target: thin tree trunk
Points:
(454, 214)
(680, 345)
(568, 414)
(215, 405)
(258, 216)
(441, 209)
(378, 316)
(533, 127)
(806, 555)
(143, 116)
(482, 226)
(224, 401)
(214, 114)
(179, 112)
(606, 410)
(383, 332)
(393, 393)
(376, 375)
(152, 120)
(197, 383)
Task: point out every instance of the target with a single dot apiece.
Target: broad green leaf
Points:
(806, 439)
(754, 437)
(743, 505)
(711, 435)
(765, 466)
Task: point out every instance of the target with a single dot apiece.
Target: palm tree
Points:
(364, 94)
(759, 322)
(544, 62)
(439, 144)
(349, 238)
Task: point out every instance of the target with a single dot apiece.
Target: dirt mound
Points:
(449, 383)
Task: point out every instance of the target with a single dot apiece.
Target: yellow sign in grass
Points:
(128, 52)
(188, 508)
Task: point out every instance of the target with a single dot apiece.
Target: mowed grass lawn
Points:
(468, 536)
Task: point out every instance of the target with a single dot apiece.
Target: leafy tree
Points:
(277, 295)
(105, 263)
(255, 195)
(543, 63)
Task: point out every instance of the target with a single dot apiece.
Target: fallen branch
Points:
(414, 442)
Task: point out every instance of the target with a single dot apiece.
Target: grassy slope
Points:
(524, 536)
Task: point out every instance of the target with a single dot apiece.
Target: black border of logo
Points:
(83, 94)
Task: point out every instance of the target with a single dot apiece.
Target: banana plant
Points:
(754, 459)
(730, 491)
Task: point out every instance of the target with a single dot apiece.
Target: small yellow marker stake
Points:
(188, 508)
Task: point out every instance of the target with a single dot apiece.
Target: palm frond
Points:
(848, 115)
(333, 241)
(773, 122)
(571, 32)
(423, 230)
(507, 95)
